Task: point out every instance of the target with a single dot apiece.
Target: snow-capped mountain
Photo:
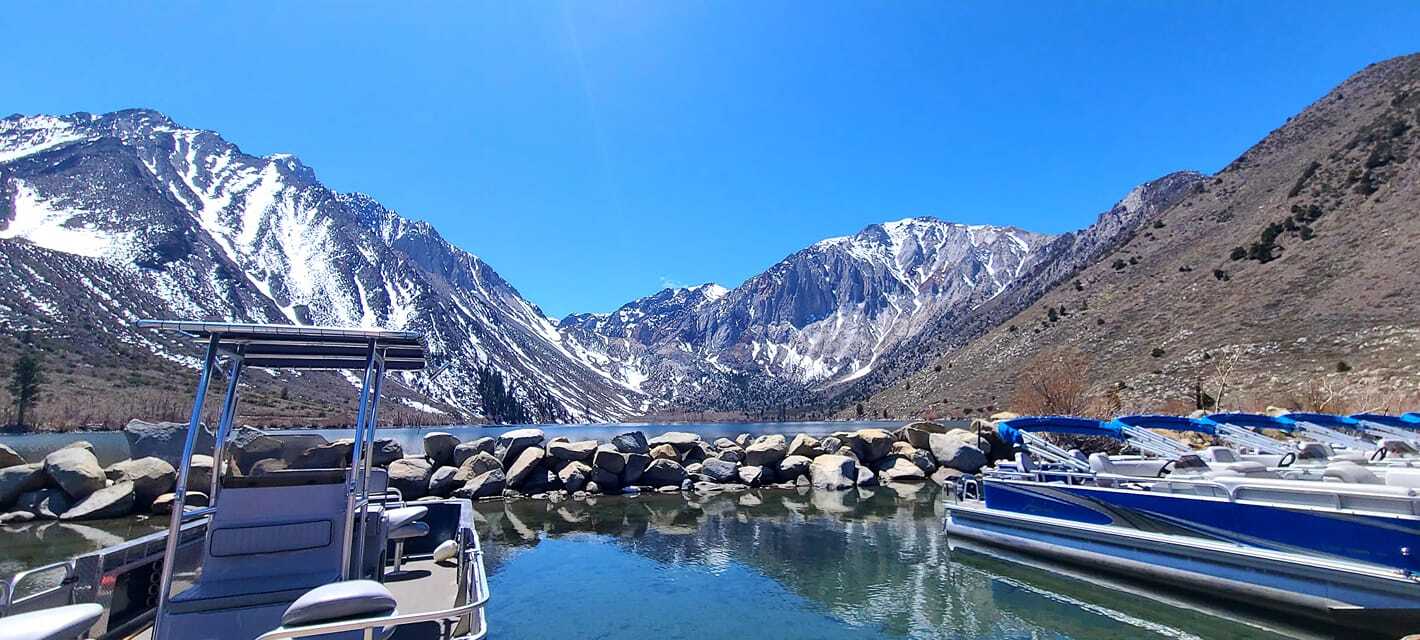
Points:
(820, 317)
(132, 215)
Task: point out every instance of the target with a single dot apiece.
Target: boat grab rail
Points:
(474, 561)
(10, 588)
(1344, 496)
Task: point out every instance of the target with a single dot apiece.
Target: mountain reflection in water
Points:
(869, 563)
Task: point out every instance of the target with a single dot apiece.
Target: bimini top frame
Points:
(230, 347)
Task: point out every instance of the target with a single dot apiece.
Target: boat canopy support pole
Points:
(194, 423)
(357, 457)
(224, 426)
(368, 462)
(1053, 453)
(1334, 437)
(1242, 437)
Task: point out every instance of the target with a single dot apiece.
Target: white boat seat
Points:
(1349, 472)
(340, 601)
(1242, 469)
(1396, 477)
(1313, 451)
(59, 623)
(411, 530)
(1218, 454)
(1354, 457)
(404, 515)
(1137, 467)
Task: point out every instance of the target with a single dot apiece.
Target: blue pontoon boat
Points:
(288, 553)
(1335, 551)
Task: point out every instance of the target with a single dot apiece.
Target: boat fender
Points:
(446, 551)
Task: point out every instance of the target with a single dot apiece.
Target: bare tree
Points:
(1223, 365)
(1054, 383)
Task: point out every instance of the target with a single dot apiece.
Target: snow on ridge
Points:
(37, 221)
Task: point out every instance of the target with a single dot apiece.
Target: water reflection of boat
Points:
(290, 553)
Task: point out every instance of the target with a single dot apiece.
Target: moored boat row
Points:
(1324, 523)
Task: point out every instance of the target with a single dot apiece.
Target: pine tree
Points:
(25, 385)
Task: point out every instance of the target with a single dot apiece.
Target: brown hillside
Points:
(1297, 265)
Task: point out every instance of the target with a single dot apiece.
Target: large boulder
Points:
(510, 445)
(753, 476)
(681, 441)
(249, 445)
(833, 472)
(830, 444)
(331, 455)
(664, 452)
(725, 443)
(261, 468)
(899, 469)
(486, 485)
(527, 463)
(580, 451)
(871, 445)
(164, 440)
(719, 470)
(76, 471)
(631, 442)
(609, 459)
(734, 454)
(478, 465)
(575, 475)
(766, 450)
(19, 479)
(163, 504)
(945, 475)
(924, 460)
(794, 466)
(386, 451)
(109, 502)
(47, 503)
(439, 448)
(743, 440)
(958, 452)
(411, 477)
(918, 434)
(804, 445)
(463, 452)
(636, 464)
(866, 477)
(151, 477)
(9, 457)
(199, 473)
(606, 481)
(486, 443)
(663, 473)
(442, 481)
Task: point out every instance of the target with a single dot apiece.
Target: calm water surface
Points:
(773, 563)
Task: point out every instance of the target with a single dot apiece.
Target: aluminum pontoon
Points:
(291, 553)
(1336, 552)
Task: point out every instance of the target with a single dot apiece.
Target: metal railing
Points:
(1333, 437)
(1245, 438)
(1154, 444)
(1046, 450)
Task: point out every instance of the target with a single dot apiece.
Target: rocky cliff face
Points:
(1281, 280)
(108, 218)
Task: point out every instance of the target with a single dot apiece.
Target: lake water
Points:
(763, 563)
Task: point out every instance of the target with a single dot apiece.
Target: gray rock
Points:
(664, 452)
(46, 504)
(697, 453)
(945, 475)
(752, 476)
(580, 451)
(528, 463)
(953, 451)
(829, 444)
(608, 458)
(463, 452)
(163, 504)
(19, 479)
(199, 473)
(833, 472)
(631, 442)
(918, 434)
(479, 464)
(9, 457)
(720, 470)
(261, 468)
(511, 444)
(742, 440)
(733, 455)
(636, 464)
(606, 481)
(726, 443)
(664, 473)
(16, 517)
(486, 485)
(386, 451)
(794, 466)
(575, 475)
(76, 471)
(766, 450)
(439, 448)
(109, 502)
(331, 455)
(924, 460)
(249, 445)
(151, 477)
(411, 477)
(871, 445)
(866, 477)
(694, 468)
(164, 440)
(899, 469)
(804, 445)
(441, 482)
(541, 480)
(679, 440)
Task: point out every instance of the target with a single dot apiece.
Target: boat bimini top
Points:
(1025, 432)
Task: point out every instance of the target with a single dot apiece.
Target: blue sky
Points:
(592, 152)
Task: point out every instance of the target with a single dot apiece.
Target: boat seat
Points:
(1349, 472)
(1313, 451)
(1242, 469)
(217, 595)
(1354, 457)
(1403, 478)
(402, 516)
(339, 601)
(403, 524)
(60, 623)
(1218, 454)
(1138, 467)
